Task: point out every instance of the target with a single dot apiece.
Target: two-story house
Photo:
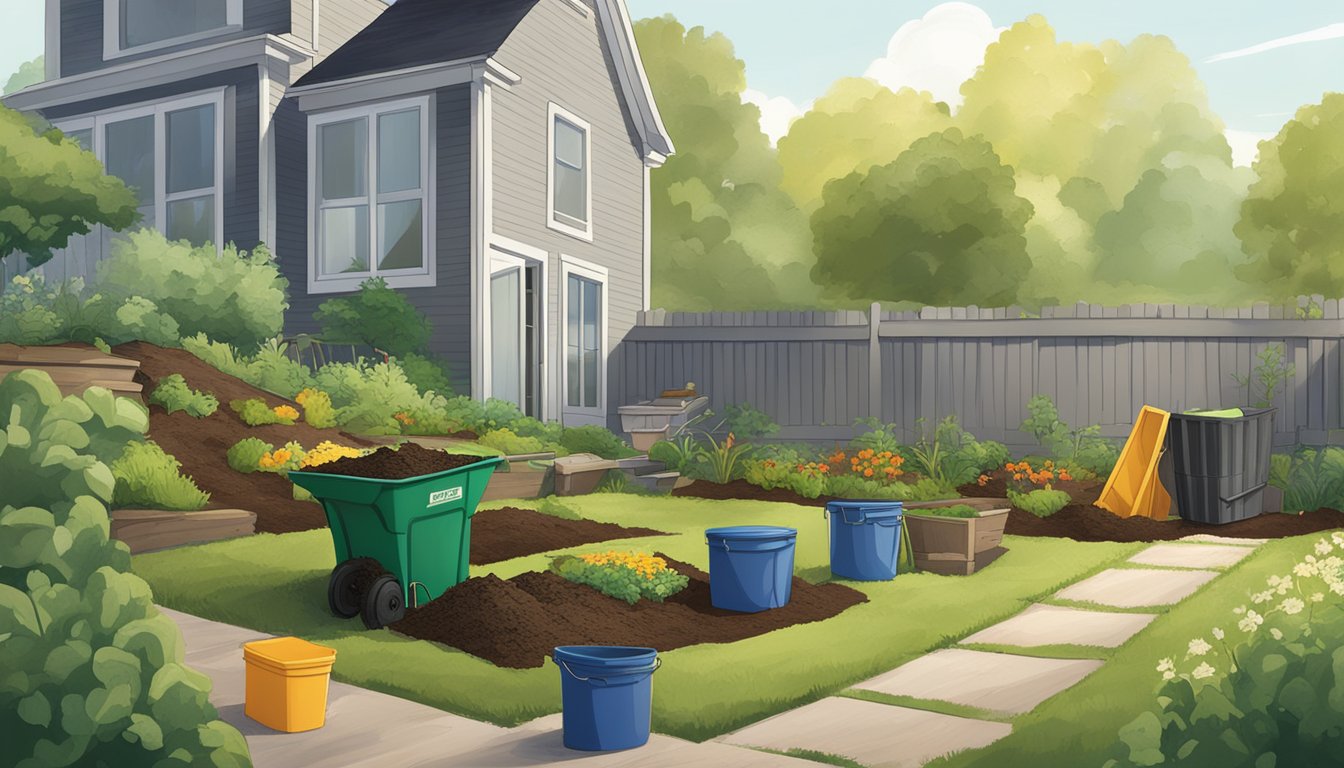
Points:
(488, 158)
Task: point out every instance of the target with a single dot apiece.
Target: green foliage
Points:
(98, 675)
(771, 473)
(1040, 502)
(951, 456)
(481, 417)
(273, 370)
(255, 412)
(1079, 449)
(367, 398)
(1311, 479)
(622, 581)
(428, 374)
(749, 423)
(879, 437)
(53, 190)
(34, 312)
(553, 507)
(595, 440)
(855, 487)
(149, 478)
(317, 409)
(942, 224)
(377, 316)
(617, 481)
(510, 444)
(1271, 373)
(245, 455)
(231, 296)
(174, 395)
(678, 453)
(29, 73)
(961, 511)
(719, 460)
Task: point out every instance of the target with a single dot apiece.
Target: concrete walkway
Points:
(998, 684)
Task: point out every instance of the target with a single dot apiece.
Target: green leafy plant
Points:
(255, 412)
(749, 423)
(949, 456)
(628, 576)
(174, 395)
(595, 440)
(1081, 449)
(1040, 502)
(510, 444)
(148, 477)
(855, 487)
(960, 511)
(1269, 376)
(429, 373)
(878, 437)
(102, 677)
(273, 370)
(1311, 478)
(720, 460)
(377, 316)
(317, 409)
(616, 481)
(34, 312)
(245, 455)
(807, 480)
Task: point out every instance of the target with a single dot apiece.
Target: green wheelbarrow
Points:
(417, 529)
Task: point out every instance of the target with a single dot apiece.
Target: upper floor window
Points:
(569, 175)
(135, 25)
(371, 180)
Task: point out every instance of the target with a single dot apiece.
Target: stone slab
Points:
(1208, 538)
(1058, 625)
(876, 735)
(998, 682)
(1137, 587)
(1191, 555)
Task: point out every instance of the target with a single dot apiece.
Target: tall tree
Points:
(51, 189)
(942, 224)
(1291, 220)
(29, 73)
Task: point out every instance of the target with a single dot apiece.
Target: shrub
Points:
(678, 454)
(220, 356)
(806, 480)
(94, 671)
(879, 437)
(720, 460)
(595, 440)
(1265, 691)
(368, 397)
(429, 373)
(317, 410)
(174, 395)
(255, 413)
(33, 312)
(1083, 448)
(627, 576)
(285, 459)
(148, 477)
(1040, 502)
(852, 487)
(482, 417)
(748, 423)
(555, 508)
(273, 370)
(231, 296)
(509, 444)
(378, 317)
(245, 455)
(1311, 479)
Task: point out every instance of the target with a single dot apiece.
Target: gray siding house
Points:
(487, 158)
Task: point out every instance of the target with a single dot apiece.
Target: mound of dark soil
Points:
(410, 460)
(516, 623)
(503, 534)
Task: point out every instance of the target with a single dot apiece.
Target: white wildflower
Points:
(1202, 671)
(1275, 633)
(1168, 675)
(1240, 609)
(1217, 633)
(1324, 547)
(1317, 597)
(1262, 597)
(1250, 622)
(1292, 606)
(1305, 570)
(1277, 581)
(1337, 587)
(1337, 538)
(1166, 665)
(1199, 647)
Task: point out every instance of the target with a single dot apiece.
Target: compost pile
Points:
(495, 534)
(518, 622)
(409, 460)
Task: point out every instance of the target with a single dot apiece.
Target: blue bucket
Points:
(865, 539)
(607, 695)
(750, 567)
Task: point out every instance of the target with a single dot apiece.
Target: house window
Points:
(370, 194)
(569, 175)
(137, 25)
(585, 336)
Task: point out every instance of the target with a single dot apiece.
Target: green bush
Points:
(772, 473)
(245, 455)
(33, 312)
(678, 454)
(174, 395)
(273, 370)
(1079, 449)
(256, 413)
(1311, 479)
(147, 477)
(429, 373)
(878, 436)
(1040, 502)
(482, 417)
(595, 440)
(220, 356)
(231, 296)
(748, 423)
(378, 317)
(317, 409)
(852, 487)
(624, 576)
(93, 671)
(510, 444)
(1265, 689)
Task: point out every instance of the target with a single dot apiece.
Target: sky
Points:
(1260, 59)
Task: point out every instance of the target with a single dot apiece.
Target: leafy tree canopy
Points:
(29, 73)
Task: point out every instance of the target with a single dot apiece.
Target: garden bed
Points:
(509, 532)
(517, 622)
(741, 489)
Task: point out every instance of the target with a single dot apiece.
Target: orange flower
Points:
(1017, 475)
(983, 480)
(824, 468)
(868, 472)
(729, 442)
(1064, 475)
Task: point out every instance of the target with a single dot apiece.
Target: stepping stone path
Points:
(1000, 684)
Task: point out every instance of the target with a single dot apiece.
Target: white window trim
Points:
(96, 122)
(233, 21)
(553, 221)
(404, 278)
(570, 265)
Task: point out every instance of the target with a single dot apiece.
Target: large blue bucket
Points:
(865, 539)
(607, 695)
(750, 567)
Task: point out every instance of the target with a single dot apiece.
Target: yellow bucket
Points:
(287, 682)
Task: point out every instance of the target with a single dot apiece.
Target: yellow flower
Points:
(285, 412)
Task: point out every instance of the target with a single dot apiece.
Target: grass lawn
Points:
(1083, 721)
(278, 584)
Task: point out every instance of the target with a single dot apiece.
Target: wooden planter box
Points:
(73, 369)
(955, 546)
(146, 530)
(527, 476)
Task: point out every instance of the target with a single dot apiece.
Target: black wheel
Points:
(384, 604)
(343, 589)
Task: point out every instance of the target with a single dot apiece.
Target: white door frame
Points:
(504, 254)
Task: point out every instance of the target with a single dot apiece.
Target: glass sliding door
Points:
(506, 335)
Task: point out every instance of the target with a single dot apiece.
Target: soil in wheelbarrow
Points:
(410, 460)
(517, 623)
(1083, 522)
(509, 532)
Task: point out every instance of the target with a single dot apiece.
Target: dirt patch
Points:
(509, 532)
(517, 623)
(741, 489)
(410, 460)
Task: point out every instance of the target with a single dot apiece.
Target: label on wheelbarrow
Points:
(443, 497)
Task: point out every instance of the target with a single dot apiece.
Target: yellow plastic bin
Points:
(287, 683)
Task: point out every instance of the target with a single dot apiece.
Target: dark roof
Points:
(414, 33)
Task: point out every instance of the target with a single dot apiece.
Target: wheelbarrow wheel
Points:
(343, 595)
(384, 603)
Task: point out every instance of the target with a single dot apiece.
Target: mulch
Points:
(509, 532)
(517, 623)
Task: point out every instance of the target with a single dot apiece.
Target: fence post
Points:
(874, 361)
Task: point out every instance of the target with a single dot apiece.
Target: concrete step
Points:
(641, 465)
(657, 481)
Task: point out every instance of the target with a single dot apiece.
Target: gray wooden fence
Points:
(815, 373)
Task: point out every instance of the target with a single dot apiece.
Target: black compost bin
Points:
(1221, 464)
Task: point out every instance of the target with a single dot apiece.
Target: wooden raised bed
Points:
(527, 476)
(73, 369)
(956, 546)
(145, 530)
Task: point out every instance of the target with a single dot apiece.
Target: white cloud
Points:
(777, 112)
(1328, 32)
(938, 52)
(1245, 145)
